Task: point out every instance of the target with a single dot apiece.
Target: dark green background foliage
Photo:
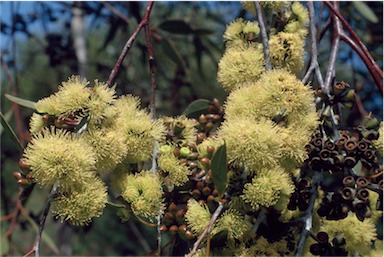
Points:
(37, 54)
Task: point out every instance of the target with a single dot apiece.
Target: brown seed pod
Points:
(362, 182)
(348, 193)
(349, 181)
(174, 229)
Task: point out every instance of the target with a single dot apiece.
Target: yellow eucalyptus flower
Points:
(250, 143)
(78, 207)
(144, 192)
(358, 235)
(177, 173)
(270, 187)
(59, 156)
(186, 126)
(71, 98)
(286, 50)
(263, 248)
(36, 123)
(232, 221)
(109, 148)
(197, 216)
(239, 66)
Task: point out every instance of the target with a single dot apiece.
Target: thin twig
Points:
(116, 12)
(15, 214)
(308, 214)
(128, 44)
(314, 51)
(36, 246)
(264, 35)
(207, 230)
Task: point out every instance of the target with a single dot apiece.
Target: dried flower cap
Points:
(109, 148)
(239, 66)
(358, 235)
(197, 216)
(78, 207)
(251, 143)
(269, 187)
(59, 156)
(177, 173)
(71, 98)
(36, 123)
(232, 221)
(144, 192)
(287, 51)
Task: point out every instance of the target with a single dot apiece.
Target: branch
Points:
(333, 56)
(207, 230)
(128, 44)
(314, 52)
(308, 214)
(355, 37)
(260, 219)
(360, 48)
(264, 35)
(35, 249)
(116, 12)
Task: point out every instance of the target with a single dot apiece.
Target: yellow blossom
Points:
(286, 50)
(239, 66)
(235, 224)
(78, 207)
(358, 235)
(144, 192)
(36, 123)
(197, 216)
(250, 143)
(59, 156)
(263, 248)
(176, 172)
(182, 127)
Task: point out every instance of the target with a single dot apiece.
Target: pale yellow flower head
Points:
(358, 235)
(268, 188)
(186, 126)
(176, 172)
(214, 142)
(78, 207)
(108, 146)
(101, 98)
(263, 248)
(197, 216)
(144, 192)
(241, 33)
(286, 50)
(59, 156)
(71, 98)
(36, 123)
(240, 66)
(232, 221)
(250, 143)
(137, 129)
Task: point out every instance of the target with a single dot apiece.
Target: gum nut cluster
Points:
(80, 133)
(277, 104)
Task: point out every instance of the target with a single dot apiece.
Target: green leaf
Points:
(172, 53)
(22, 102)
(7, 118)
(176, 27)
(219, 169)
(196, 108)
(365, 11)
(358, 169)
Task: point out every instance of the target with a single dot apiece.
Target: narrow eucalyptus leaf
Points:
(365, 11)
(22, 102)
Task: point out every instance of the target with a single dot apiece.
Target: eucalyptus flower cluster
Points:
(80, 135)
